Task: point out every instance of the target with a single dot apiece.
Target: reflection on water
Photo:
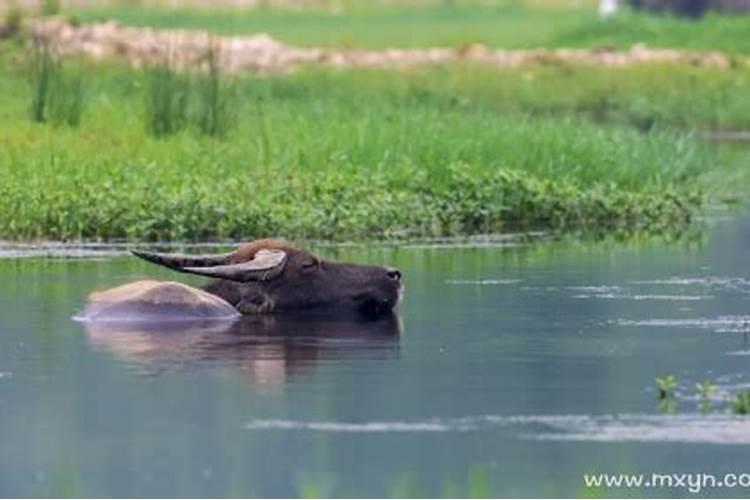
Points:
(518, 369)
(265, 349)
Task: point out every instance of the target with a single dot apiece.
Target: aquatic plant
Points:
(741, 403)
(666, 385)
(705, 389)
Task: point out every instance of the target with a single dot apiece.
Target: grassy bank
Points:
(337, 155)
(641, 96)
(452, 24)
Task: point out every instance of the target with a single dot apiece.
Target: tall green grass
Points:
(324, 155)
(215, 103)
(68, 100)
(167, 99)
(178, 99)
(363, 154)
(44, 71)
(57, 94)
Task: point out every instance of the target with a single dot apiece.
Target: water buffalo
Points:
(260, 277)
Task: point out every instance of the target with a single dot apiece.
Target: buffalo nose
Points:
(393, 274)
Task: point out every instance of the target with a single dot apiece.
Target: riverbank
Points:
(354, 155)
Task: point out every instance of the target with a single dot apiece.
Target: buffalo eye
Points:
(309, 265)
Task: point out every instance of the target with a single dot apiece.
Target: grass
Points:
(506, 24)
(167, 99)
(44, 69)
(215, 113)
(176, 100)
(57, 95)
(340, 155)
(640, 96)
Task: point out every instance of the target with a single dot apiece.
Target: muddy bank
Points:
(261, 53)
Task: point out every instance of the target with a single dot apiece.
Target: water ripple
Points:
(627, 296)
(722, 324)
(690, 428)
(482, 282)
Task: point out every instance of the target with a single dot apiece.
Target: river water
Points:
(511, 368)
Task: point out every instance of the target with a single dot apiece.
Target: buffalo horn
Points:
(266, 265)
(179, 261)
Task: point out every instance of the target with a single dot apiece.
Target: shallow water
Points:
(510, 369)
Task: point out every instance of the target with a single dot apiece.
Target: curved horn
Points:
(266, 265)
(178, 261)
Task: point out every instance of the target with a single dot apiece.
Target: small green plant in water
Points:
(741, 403)
(666, 385)
(705, 389)
(668, 406)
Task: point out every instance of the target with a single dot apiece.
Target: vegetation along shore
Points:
(103, 150)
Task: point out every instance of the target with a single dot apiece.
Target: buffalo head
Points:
(272, 275)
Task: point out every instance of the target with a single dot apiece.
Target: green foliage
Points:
(68, 100)
(705, 389)
(167, 99)
(666, 385)
(741, 403)
(176, 99)
(57, 94)
(45, 69)
(215, 113)
(324, 154)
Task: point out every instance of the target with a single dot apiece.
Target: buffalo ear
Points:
(265, 265)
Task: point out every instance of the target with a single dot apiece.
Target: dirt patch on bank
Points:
(261, 53)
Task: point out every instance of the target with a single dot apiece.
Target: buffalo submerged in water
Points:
(261, 277)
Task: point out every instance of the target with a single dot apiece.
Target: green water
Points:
(509, 370)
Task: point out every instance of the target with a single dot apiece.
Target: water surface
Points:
(510, 369)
